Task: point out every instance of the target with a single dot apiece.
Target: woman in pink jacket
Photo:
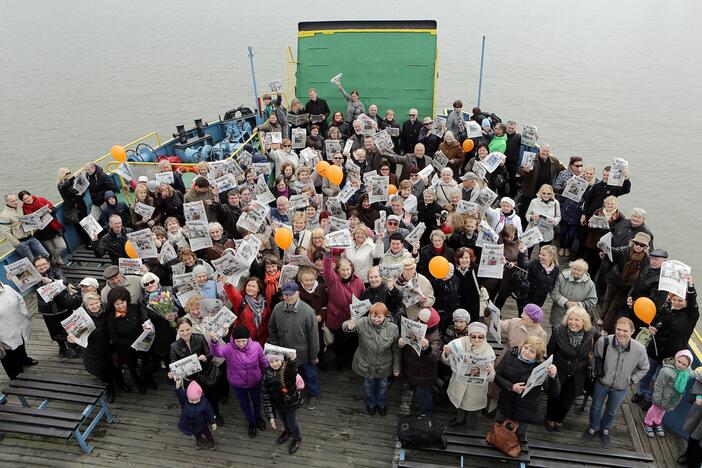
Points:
(342, 283)
(245, 365)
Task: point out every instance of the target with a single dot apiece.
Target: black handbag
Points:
(71, 215)
(595, 368)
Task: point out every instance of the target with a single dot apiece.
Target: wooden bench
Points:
(467, 444)
(555, 455)
(64, 424)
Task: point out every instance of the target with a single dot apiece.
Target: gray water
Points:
(599, 78)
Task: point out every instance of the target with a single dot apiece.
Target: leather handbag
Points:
(503, 436)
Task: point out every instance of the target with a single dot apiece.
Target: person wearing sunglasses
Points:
(283, 155)
(162, 309)
(628, 264)
(468, 386)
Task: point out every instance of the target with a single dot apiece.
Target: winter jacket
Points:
(455, 124)
(245, 366)
(361, 257)
(447, 294)
(498, 144)
(409, 135)
(295, 328)
(99, 184)
(468, 292)
(620, 256)
(113, 245)
(227, 216)
(552, 208)
(318, 107)
(391, 298)
(172, 206)
(283, 396)
(62, 302)
(594, 198)
(567, 288)
(138, 222)
(624, 232)
(428, 252)
(455, 152)
(408, 160)
(511, 404)
(593, 235)
(541, 282)
(496, 179)
(73, 201)
(343, 290)
(471, 396)
(514, 142)
(165, 331)
(131, 282)
(218, 248)
(378, 354)
(194, 418)
(119, 208)
(124, 330)
(54, 228)
(245, 316)
(647, 286)
(664, 394)
(570, 361)
(517, 334)
(622, 367)
(530, 179)
(693, 423)
(97, 355)
(422, 370)
(425, 288)
(674, 328)
(198, 346)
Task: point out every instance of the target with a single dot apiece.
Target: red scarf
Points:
(271, 285)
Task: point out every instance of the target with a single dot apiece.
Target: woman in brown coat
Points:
(453, 151)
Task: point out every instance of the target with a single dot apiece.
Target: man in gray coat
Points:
(625, 363)
(293, 325)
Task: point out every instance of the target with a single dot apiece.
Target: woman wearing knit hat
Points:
(669, 389)
(468, 390)
(196, 414)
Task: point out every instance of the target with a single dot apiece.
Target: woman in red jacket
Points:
(343, 284)
(251, 308)
(51, 236)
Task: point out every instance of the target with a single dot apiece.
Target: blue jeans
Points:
(311, 376)
(250, 401)
(423, 397)
(646, 383)
(31, 248)
(376, 392)
(614, 401)
(290, 424)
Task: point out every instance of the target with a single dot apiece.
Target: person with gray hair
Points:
(114, 241)
(11, 228)
(628, 228)
(418, 158)
(573, 288)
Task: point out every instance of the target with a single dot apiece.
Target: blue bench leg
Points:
(402, 454)
(87, 448)
(23, 400)
(106, 409)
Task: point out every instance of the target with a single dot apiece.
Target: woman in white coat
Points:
(468, 388)
(544, 212)
(14, 332)
(361, 252)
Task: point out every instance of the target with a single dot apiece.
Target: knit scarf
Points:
(608, 214)
(575, 338)
(256, 305)
(631, 270)
(271, 282)
(681, 380)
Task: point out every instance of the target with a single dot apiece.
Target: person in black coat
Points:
(125, 323)
(468, 288)
(514, 142)
(410, 132)
(282, 398)
(74, 207)
(571, 345)
(647, 286)
(99, 184)
(593, 199)
(97, 356)
(168, 203)
(511, 376)
(437, 248)
(379, 291)
(671, 328)
(59, 308)
(162, 308)
(113, 242)
(189, 343)
(542, 274)
(429, 213)
(318, 106)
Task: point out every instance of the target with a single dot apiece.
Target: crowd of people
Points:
(591, 318)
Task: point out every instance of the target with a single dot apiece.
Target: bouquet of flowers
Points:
(162, 302)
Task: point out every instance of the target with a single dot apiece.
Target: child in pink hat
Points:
(668, 391)
(195, 416)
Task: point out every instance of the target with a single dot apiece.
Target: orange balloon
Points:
(334, 174)
(322, 167)
(645, 309)
(283, 238)
(468, 145)
(131, 251)
(118, 153)
(392, 190)
(439, 267)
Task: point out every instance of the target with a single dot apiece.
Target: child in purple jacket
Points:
(245, 365)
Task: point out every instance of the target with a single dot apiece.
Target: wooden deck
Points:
(338, 433)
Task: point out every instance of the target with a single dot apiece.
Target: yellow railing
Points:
(292, 70)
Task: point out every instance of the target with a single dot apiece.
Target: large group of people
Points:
(590, 316)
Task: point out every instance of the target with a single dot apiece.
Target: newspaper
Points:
(393, 131)
(235, 169)
(90, 226)
(467, 207)
(473, 129)
(473, 369)
(438, 127)
(49, 291)
(180, 279)
(275, 86)
(605, 244)
(309, 157)
(440, 160)
(538, 375)
(167, 253)
(80, 325)
(390, 270)
(247, 251)
(210, 307)
(244, 159)
(411, 294)
(164, 178)
(347, 192)
(125, 172)
(335, 207)
(347, 147)
(485, 198)
(598, 222)
(227, 265)
(262, 168)
(358, 308)
(336, 79)
(81, 183)
(493, 160)
(300, 202)
(144, 210)
(262, 192)
(426, 172)
(225, 183)
(616, 173)
(194, 211)
(317, 118)
(491, 265)
(486, 235)
(37, 220)
(380, 222)
(288, 274)
(575, 188)
(146, 339)
(199, 235)
(368, 125)
(331, 147)
(219, 323)
(300, 260)
(130, 266)
(186, 287)
(531, 237)
(416, 234)
(545, 223)
(185, 367)
(298, 137)
(383, 141)
(378, 188)
(178, 268)
(298, 120)
(528, 160)
(23, 274)
(479, 170)
(412, 333)
(273, 349)
(253, 219)
(529, 135)
(143, 243)
(352, 167)
(276, 137)
(673, 278)
(456, 355)
(339, 239)
(337, 224)
(494, 328)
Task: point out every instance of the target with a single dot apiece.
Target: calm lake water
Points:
(600, 79)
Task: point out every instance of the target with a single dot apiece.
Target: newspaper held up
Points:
(167, 253)
(125, 172)
(486, 235)
(346, 193)
(491, 265)
(605, 244)
(275, 86)
(485, 198)
(440, 161)
(340, 239)
(538, 375)
(529, 135)
(575, 188)
(528, 160)
(81, 183)
(194, 211)
(280, 350)
(252, 220)
(438, 127)
(199, 235)
(299, 137)
(531, 237)
(379, 224)
(467, 207)
(262, 192)
(493, 160)
(494, 328)
(331, 147)
(616, 174)
(598, 222)
(473, 369)
(674, 277)
(287, 274)
(219, 323)
(49, 291)
(383, 141)
(144, 210)
(146, 339)
(79, 325)
(473, 129)
(426, 172)
(390, 270)
(480, 170)
(378, 188)
(358, 308)
(23, 274)
(185, 367)
(143, 243)
(164, 178)
(416, 234)
(412, 333)
(91, 226)
(130, 266)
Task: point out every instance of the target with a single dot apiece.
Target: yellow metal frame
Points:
(335, 31)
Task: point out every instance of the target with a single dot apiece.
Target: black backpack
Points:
(416, 432)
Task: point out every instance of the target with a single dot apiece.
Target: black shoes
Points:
(124, 387)
(294, 445)
(383, 410)
(30, 362)
(371, 409)
(151, 384)
(636, 398)
(261, 425)
(285, 435)
(252, 430)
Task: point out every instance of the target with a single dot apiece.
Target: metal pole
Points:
(253, 77)
(482, 60)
